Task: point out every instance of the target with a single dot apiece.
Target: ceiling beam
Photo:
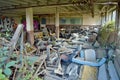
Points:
(58, 1)
(77, 8)
(80, 7)
(52, 1)
(2, 5)
(70, 1)
(11, 13)
(29, 1)
(74, 8)
(63, 9)
(92, 7)
(103, 9)
(19, 2)
(43, 2)
(66, 7)
(44, 5)
(47, 2)
(112, 8)
(70, 8)
(8, 2)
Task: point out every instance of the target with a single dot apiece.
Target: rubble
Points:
(72, 70)
(80, 57)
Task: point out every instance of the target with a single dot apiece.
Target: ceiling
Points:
(93, 7)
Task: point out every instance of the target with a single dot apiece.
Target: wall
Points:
(71, 20)
(51, 20)
(88, 20)
(85, 19)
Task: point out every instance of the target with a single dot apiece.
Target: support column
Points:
(106, 16)
(29, 25)
(101, 17)
(118, 26)
(117, 17)
(57, 23)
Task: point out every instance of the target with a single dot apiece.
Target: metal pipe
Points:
(101, 62)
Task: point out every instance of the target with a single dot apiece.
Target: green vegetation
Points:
(8, 67)
(105, 32)
(2, 76)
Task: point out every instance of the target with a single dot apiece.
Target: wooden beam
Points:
(92, 7)
(70, 0)
(103, 8)
(41, 5)
(106, 13)
(3, 5)
(19, 2)
(29, 1)
(118, 17)
(66, 7)
(112, 8)
(74, 8)
(18, 12)
(8, 2)
(44, 2)
(47, 2)
(80, 7)
(58, 1)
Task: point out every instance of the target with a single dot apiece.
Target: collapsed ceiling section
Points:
(64, 6)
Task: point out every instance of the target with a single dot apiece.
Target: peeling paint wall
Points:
(51, 20)
(86, 20)
(89, 20)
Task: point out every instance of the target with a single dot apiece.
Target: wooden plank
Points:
(89, 73)
(112, 71)
(102, 75)
(117, 67)
(16, 35)
(40, 65)
(81, 72)
(52, 77)
(117, 61)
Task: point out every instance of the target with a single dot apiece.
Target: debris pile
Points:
(78, 58)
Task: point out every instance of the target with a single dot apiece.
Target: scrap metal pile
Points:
(78, 58)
